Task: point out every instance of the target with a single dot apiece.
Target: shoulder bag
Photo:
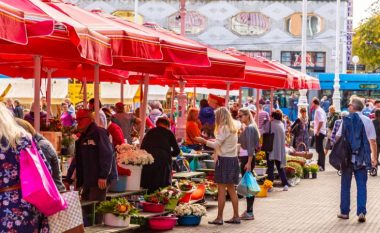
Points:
(268, 139)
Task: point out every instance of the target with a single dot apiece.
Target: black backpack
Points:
(341, 152)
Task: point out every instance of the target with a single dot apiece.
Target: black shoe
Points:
(361, 218)
(233, 221)
(343, 216)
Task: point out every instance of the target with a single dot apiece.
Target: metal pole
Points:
(122, 91)
(303, 98)
(96, 94)
(136, 11)
(183, 17)
(336, 95)
(355, 68)
(37, 85)
(228, 94)
(144, 106)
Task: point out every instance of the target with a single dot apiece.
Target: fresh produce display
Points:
(118, 206)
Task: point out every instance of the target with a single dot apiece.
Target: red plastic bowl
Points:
(162, 223)
(153, 208)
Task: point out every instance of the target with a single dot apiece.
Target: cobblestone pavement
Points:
(310, 206)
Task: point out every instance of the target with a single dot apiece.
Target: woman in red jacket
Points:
(116, 133)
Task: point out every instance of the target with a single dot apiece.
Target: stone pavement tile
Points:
(311, 206)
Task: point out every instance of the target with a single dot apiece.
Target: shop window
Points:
(315, 61)
(250, 24)
(293, 24)
(194, 21)
(264, 54)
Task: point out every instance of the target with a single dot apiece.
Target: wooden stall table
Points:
(125, 194)
(109, 229)
(187, 175)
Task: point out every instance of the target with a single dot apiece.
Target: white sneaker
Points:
(286, 188)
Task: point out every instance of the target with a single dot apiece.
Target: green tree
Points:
(366, 41)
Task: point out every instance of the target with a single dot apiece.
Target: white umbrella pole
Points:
(37, 85)
(228, 94)
(257, 105)
(144, 105)
(172, 103)
(96, 94)
(271, 100)
(195, 97)
(48, 95)
(240, 97)
(122, 90)
(84, 83)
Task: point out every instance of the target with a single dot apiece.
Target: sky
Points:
(360, 7)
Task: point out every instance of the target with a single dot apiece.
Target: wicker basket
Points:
(305, 154)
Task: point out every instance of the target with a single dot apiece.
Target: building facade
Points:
(268, 28)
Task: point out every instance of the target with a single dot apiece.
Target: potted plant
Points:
(264, 188)
(133, 159)
(314, 169)
(306, 171)
(117, 212)
(190, 214)
(260, 161)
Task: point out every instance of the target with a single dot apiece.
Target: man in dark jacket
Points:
(95, 162)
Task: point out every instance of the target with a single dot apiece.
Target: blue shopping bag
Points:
(248, 185)
(194, 165)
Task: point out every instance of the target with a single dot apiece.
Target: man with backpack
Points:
(360, 134)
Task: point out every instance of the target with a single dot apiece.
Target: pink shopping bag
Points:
(37, 185)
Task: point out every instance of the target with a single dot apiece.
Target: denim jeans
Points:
(361, 184)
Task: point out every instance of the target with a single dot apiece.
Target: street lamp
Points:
(355, 60)
(336, 95)
(303, 98)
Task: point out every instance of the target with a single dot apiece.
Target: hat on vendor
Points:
(119, 105)
(83, 113)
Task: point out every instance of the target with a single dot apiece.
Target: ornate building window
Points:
(195, 22)
(250, 24)
(129, 15)
(255, 53)
(293, 24)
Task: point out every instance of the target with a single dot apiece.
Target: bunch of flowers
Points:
(186, 185)
(117, 206)
(268, 184)
(128, 154)
(290, 172)
(190, 209)
(314, 168)
(211, 187)
(260, 157)
(170, 192)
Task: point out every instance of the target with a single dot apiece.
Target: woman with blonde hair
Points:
(193, 129)
(24, 217)
(226, 163)
(249, 142)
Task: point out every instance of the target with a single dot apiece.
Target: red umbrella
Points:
(16, 28)
(126, 42)
(174, 50)
(69, 39)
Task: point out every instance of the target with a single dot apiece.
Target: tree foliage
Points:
(366, 41)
